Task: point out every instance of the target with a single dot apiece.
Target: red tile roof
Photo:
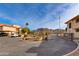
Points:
(2, 24)
(8, 25)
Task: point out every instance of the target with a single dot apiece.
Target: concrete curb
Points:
(73, 50)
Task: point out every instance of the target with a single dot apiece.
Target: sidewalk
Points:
(76, 52)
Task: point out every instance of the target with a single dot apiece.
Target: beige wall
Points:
(7, 28)
(74, 25)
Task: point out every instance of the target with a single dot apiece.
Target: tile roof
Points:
(8, 25)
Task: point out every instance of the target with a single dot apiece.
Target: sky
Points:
(38, 15)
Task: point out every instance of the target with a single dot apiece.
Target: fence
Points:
(67, 36)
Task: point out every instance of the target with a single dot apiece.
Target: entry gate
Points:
(66, 36)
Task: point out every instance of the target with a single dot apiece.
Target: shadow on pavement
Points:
(53, 47)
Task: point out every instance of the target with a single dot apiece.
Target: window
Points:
(77, 30)
(69, 25)
(77, 20)
(66, 29)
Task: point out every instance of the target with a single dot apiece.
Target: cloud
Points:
(51, 20)
(39, 15)
(69, 14)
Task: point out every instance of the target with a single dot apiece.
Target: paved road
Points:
(52, 47)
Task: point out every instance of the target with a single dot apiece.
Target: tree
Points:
(25, 30)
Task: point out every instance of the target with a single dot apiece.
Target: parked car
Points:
(3, 34)
(14, 35)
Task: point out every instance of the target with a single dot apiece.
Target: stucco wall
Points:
(6, 28)
(74, 25)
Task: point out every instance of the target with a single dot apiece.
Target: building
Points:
(9, 29)
(73, 26)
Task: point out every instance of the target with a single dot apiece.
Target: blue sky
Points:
(38, 15)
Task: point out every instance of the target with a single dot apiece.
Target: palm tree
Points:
(27, 24)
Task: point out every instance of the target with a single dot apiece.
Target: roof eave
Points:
(71, 19)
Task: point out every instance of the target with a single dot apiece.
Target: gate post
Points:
(72, 36)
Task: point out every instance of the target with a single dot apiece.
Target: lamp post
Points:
(59, 22)
(59, 27)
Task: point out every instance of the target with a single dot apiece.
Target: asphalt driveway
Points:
(52, 47)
